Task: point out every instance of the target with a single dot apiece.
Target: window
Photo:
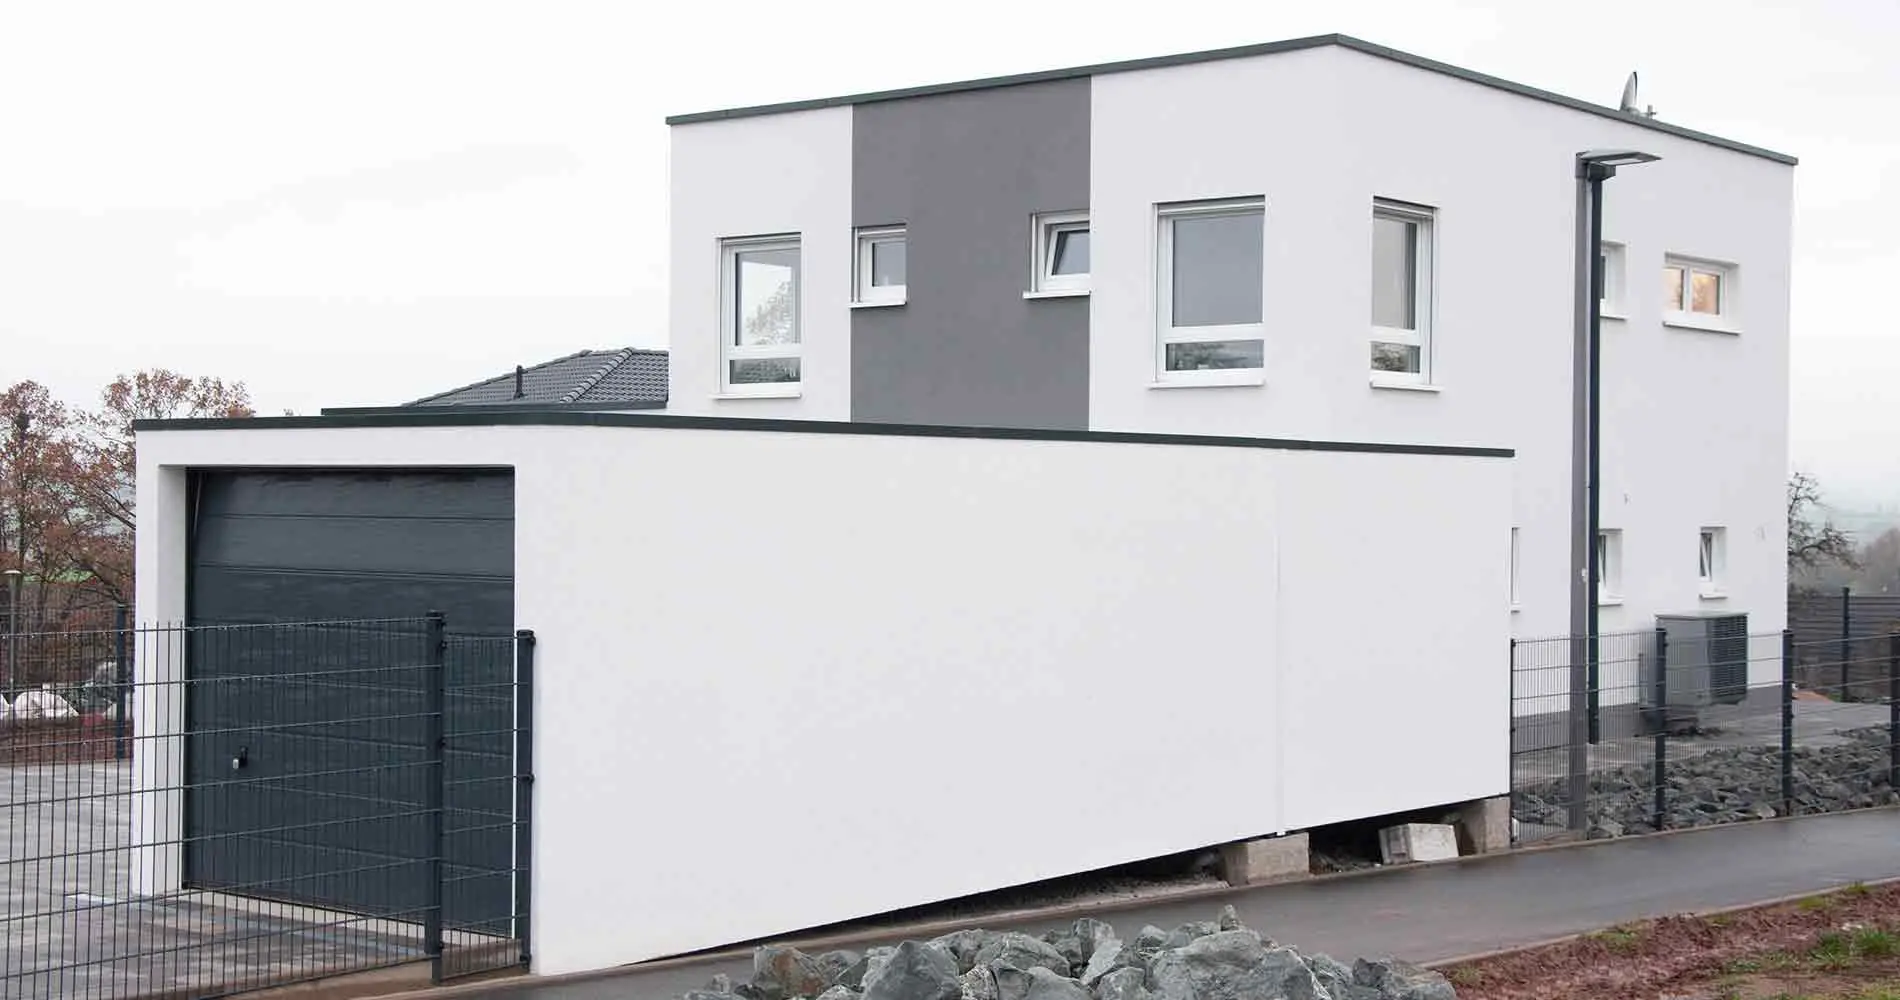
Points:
(759, 315)
(1698, 293)
(881, 266)
(1514, 558)
(1401, 292)
(1609, 566)
(1210, 292)
(1610, 270)
(1711, 560)
(1060, 252)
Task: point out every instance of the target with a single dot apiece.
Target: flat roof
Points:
(1242, 52)
(497, 416)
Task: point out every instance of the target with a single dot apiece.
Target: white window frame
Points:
(1044, 282)
(1165, 331)
(729, 349)
(1613, 303)
(1724, 319)
(1610, 566)
(863, 292)
(1424, 303)
(1516, 558)
(1711, 560)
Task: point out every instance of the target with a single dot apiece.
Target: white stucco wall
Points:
(1695, 423)
(785, 679)
(783, 174)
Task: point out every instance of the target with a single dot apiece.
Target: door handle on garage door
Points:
(241, 758)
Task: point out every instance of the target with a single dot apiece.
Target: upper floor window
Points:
(1210, 292)
(1698, 293)
(1061, 254)
(759, 315)
(1401, 292)
(881, 265)
(1610, 280)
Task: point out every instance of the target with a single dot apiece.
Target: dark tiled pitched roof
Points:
(605, 378)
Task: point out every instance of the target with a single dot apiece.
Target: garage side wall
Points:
(785, 679)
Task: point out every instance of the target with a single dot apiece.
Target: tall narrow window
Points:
(1514, 572)
(1609, 566)
(1610, 275)
(1401, 292)
(1711, 555)
(882, 266)
(1060, 251)
(1210, 292)
(759, 315)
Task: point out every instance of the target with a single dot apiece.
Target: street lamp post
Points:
(13, 578)
(1593, 167)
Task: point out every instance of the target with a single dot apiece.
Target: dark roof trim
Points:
(541, 417)
(495, 378)
(602, 406)
(1241, 52)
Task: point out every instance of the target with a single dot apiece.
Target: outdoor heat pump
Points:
(1706, 659)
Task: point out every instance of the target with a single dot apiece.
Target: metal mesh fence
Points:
(1647, 731)
(215, 809)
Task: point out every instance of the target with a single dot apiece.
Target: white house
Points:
(1320, 238)
(1139, 458)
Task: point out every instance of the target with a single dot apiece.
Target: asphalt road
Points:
(1431, 913)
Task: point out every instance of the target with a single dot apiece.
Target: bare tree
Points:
(1813, 544)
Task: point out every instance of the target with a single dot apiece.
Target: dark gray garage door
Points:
(327, 766)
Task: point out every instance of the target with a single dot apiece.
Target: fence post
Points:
(122, 683)
(524, 791)
(1787, 722)
(1847, 638)
(1660, 695)
(1893, 713)
(434, 699)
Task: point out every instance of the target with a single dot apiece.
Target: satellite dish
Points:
(1629, 105)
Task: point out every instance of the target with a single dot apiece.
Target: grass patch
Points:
(1857, 890)
(1465, 976)
(1816, 904)
(1623, 939)
(1872, 942)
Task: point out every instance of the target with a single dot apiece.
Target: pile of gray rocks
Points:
(1726, 785)
(1209, 960)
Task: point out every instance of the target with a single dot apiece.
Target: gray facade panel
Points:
(965, 173)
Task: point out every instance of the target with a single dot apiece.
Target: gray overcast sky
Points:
(359, 203)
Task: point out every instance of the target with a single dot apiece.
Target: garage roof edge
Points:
(570, 418)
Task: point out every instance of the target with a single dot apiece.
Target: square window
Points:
(1698, 292)
(1609, 565)
(1401, 291)
(1610, 279)
(881, 266)
(1210, 289)
(1711, 560)
(759, 305)
(1060, 252)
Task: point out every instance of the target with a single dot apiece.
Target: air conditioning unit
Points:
(1706, 657)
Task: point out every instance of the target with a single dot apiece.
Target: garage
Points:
(296, 788)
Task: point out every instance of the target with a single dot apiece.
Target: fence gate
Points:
(214, 809)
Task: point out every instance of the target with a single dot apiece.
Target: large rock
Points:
(1078, 941)
(838, 993)
(1109, 956)
(779, 972)
(1011, 983)
(979, 984)
(1046, 985)
(834, 964)
(1023, 952)
(1188, 932)
(1215, 966)
(860, 974)
(963, 945)
(1396, 980)
(915, 971)
(1335, 978)
(1123, 984)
